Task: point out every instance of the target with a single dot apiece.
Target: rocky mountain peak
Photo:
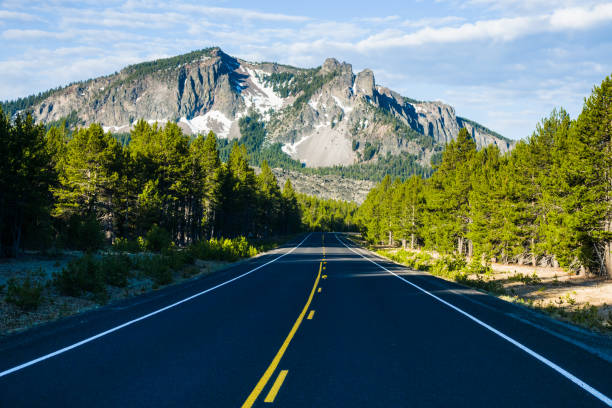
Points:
(330, 65)
(323, 117)
(364, 83)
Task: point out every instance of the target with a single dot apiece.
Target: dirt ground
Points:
(55, 305)
(557, 286)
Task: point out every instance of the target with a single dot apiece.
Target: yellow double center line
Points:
(261, 384)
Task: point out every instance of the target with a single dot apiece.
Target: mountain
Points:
(323, 116)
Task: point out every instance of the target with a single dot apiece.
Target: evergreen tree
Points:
(90, 178)
(269, 200)
(448, 200)
(291, 216)
(26, 175)
(588, 174)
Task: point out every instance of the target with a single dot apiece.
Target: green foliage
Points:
(550, 197)
(532, 279)
(399, 128)
(369, 151)
(26, 178)
(418, 260)
(82, 233)
(116, 269)
(253, 136)
(128, 245)
(327, 215)
(302, 84)
(157, 239)
(132, 72)
(23, 104)
(81, 276)
(26, 295)
(157, 268)
(224, 249)
(66, 123)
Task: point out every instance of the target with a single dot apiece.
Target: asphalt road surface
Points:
(316, 323)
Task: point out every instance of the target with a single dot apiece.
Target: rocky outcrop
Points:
(327, 187)
(323, 117)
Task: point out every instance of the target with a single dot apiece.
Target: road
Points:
(317, 323)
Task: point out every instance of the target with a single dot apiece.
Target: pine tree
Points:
(589, 178)
(448, 199)
(269, 198)
(26, 176)
(90, 178)
(291, 217)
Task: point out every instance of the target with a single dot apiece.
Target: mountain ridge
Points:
(323, 116)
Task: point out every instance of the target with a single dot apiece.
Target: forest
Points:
(85, 190)
(547, 202)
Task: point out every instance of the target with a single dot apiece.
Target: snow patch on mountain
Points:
(211, 120)
(345, 109)
(291, 148)
(260, 96)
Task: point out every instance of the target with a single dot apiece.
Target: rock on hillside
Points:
(330, 186)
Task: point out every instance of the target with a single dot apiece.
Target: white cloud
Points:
(501, 29)
(31, 34)
(581, 18)
(241, 13)
(14, 15)
(491, 59)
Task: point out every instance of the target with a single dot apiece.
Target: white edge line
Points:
(606, 400)
(121, 326)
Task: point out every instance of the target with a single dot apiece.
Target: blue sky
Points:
(503, 63)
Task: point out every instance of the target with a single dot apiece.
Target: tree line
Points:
(548, 201)
(85, 189)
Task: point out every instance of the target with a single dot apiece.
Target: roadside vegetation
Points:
(545, 204)
(87, 280)
(557, 298)
(125, 218)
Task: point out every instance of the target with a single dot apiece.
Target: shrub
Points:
(116, 269)
(126, 245)
(26, 295)
(177, 259)
(157, 239)
(224, 249)
(533, 279)
(79, 276)
(157, 268)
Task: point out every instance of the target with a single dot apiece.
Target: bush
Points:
(224, 249)
(177, 259)
(26, 295)
(80, 276)
(533, 279)
(157, 239)
(157, 268)
(116, 269)
(126, 245)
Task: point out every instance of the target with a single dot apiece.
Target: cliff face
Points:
(323, 116)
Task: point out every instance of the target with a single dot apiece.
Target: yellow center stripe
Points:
(277, 358)
(310, 315)
(319, 290)
(276, 386)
